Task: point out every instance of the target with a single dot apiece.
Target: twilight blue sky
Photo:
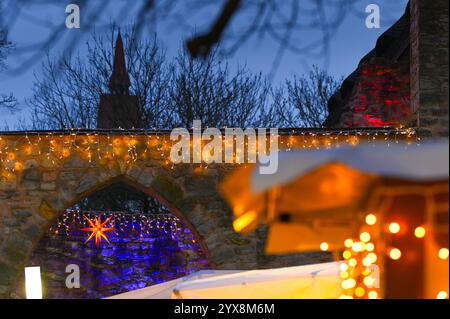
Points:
(348, 45)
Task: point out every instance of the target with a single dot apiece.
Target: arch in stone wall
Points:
(46, 209)
(41, 194)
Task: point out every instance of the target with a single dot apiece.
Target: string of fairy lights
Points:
(360, 273)
(139, 225)
(360, 270)
(100, 147)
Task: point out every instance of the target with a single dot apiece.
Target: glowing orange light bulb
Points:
(359, 292)
(395, 253)
(369, 281)
(66, 153)
(347, 254)
(394, 228)
(117, 141)
(358, 246)
(419, 232)
(18, 166)
(371, 219)
(324, 246)
(443, 253)
(344, 274)
(348, 283)
(372, 257)
(348, 243)
(365, 237)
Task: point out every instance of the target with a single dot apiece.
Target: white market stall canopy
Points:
(164, 290)
(317, 195)
(310, 281)
(425, 162)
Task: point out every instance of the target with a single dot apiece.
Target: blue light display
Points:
(144, 250)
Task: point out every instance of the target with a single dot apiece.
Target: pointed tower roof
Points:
(120, 80)
(119, 108)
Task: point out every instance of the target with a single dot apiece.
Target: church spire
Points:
(119, 109)
(119, 82)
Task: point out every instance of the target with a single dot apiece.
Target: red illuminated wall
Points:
(381, 95)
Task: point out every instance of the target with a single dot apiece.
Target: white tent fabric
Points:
(425, 162)
(164, 290)
(311, 281)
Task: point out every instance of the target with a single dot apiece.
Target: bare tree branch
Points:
(169, 93)
(238, 21)
(6, 100)
(201, 46)
(303, 101)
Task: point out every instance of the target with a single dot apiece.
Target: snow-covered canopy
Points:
(310, 281)
(425, 162)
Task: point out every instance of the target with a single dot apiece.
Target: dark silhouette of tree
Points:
(207, 90)
(302, 102)
(230, 23)
(170, 93)
(6, 100)
(67, 93)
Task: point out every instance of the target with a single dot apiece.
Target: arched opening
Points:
(143, 241)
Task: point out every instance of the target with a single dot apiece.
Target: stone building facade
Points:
(429, 64)
(403, 81)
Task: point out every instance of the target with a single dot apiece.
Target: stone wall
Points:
(41, 177)
(429, 64)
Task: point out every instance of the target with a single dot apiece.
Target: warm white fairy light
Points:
(132, 146)
(395, 253)
(168, 223)
(371, 219)
(443, 253)
(324, 246)
(394, 227)
(359, 279)
(420, 232)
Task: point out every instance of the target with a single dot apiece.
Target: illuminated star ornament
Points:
(97, 229)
